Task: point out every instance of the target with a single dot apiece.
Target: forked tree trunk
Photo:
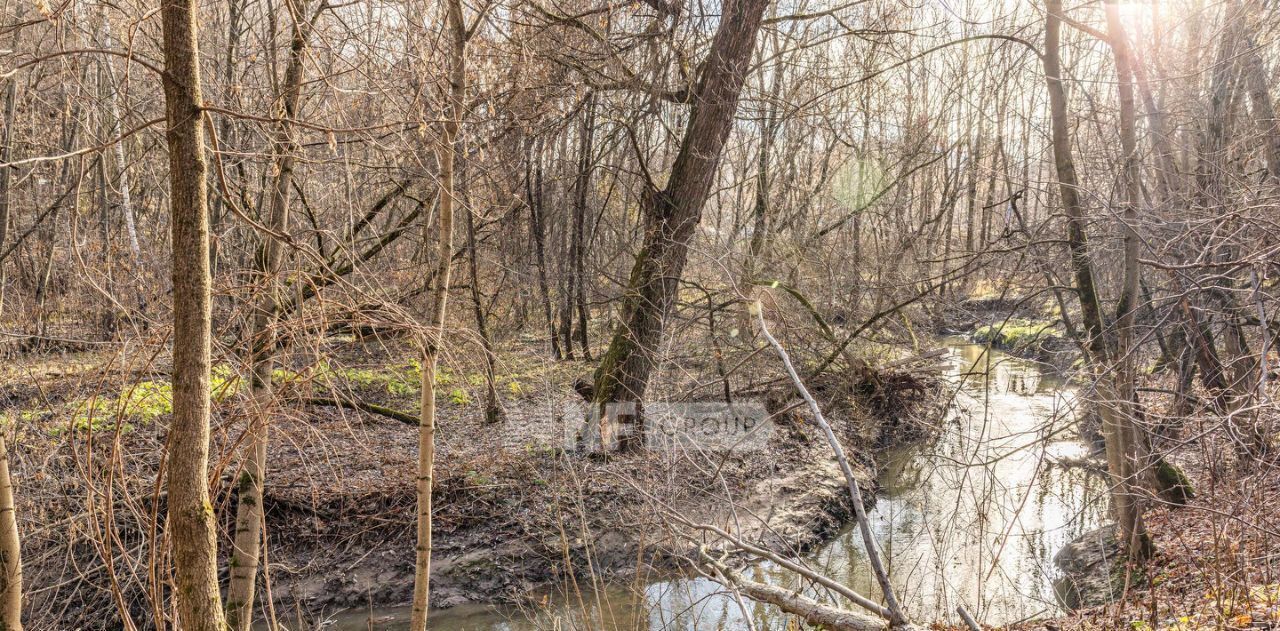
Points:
(1111, 406)
(1130, 438)
(454, 109)
(671, 215)
(192, 529)
(10, 549)
(247, 546)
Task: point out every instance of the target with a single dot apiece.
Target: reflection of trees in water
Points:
(1016, 378)
(980, 368)
(977, 515)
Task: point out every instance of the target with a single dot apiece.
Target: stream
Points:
(972, 518)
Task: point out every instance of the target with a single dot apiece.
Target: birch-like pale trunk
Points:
(10, 548)
(122, 172)
(445, 153)
(246, 549)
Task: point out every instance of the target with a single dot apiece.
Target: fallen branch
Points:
(968, 619)
(855, 597)
(811, 611)
(363, 406)
(927, 356)
(896, 616)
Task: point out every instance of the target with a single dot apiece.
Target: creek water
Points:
(972, 518)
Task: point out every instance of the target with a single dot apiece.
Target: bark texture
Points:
(672, 214)
(191, 522)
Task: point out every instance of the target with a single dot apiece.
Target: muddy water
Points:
(970, 519)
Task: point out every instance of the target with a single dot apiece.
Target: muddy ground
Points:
(515, 512)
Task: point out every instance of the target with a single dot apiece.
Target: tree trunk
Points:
(492, 410)
(246, 549)
(533, 192)
(191, 522)
(10, 549)
(1264, 111)
(445, 153)
(577, 300)
(6, 155)
(1111, 406)
(1131, 436)
(122, 176)
(672, 214)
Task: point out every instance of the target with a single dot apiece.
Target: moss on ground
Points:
(1017, 333)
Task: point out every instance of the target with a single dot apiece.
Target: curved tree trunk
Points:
(672, 214)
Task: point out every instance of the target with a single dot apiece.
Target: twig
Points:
(810, 610)
(858, 599)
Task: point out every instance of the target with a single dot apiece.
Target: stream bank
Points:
(951, 533)
(518, 520)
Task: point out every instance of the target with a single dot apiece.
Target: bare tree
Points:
(245, 552)
(672, 213)
(446, 152)
(191, 521)
(10, 549)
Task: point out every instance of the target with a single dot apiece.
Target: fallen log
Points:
(363, 406)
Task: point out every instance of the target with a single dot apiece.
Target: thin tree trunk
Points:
(192, 528)
(10, 548)
(1111, 406)
(760, 209)
(247, 545)
(533, 192)
(226, 124)
(492, 410)
(6, 155)
(445, 153)
(577, 252)
(1131, 436)
(1264, 111)
(122, 175)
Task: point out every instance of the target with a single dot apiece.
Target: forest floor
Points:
(1217, 562)
(516, 514)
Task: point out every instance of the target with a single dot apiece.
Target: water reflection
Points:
(972, 518)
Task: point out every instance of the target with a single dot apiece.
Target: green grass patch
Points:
(1015, 333)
